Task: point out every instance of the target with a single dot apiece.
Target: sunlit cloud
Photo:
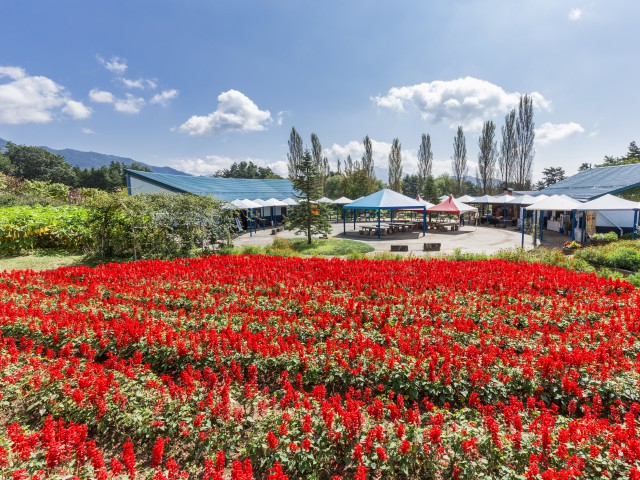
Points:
(235, 112)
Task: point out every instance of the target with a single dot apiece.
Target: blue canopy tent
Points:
(385, 199)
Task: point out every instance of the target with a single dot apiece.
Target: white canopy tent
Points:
(611, 203)
(558, 203)
(291, 202)
(341, 202)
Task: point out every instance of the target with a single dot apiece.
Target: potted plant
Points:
(571, 246)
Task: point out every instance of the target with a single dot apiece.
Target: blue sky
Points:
(197, 85)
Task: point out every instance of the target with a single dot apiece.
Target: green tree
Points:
(5, 164)
(295, 153)
(367, 158)
(410, 186)
(322, 162)
(395, 166)
(308, 218)
(584, 166)
(487, 154)
(358, 184)
(35, 163)
(334, 188)
(632, 156)
(525, 135)
(245, 169)
(430, 191)
(507, 158)
(459, 161)
(552, 175)
(445, 185)
(425, 161)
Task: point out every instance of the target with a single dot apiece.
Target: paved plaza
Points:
(468, 239)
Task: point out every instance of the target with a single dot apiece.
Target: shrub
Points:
(28, 228)
(605, 237)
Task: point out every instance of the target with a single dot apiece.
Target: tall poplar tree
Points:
(367, 158)
(425, 161)
(507, 158)
(322, 162)
(525, 135)
(395, 166)
(294, 156)
(459, 160)
(487, 154)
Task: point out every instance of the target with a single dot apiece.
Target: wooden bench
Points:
(399, 248)
(431, 247)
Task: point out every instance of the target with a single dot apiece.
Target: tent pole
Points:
(379, 233)
(535, 228)
(344, 223)
(635, 224)
(573, 224)
(354, 218)
(541, 225)
(524, 213)
(424, 221)
(504, 213)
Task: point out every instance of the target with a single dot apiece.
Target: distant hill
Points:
(97, 160)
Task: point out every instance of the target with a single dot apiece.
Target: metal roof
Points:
(595, 182)
(227, 189)
(384, 199)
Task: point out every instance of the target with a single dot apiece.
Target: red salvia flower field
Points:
(257, 367)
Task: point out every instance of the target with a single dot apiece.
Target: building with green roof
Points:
(622, 181)
(226, 189)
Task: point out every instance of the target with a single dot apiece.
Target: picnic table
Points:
(439, 225)
(373, 229)
(401, 226)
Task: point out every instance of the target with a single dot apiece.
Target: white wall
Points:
(615, 219)
(140, 186)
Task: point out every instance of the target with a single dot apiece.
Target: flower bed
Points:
(261, 367)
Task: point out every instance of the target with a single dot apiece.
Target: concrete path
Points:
(469, 239)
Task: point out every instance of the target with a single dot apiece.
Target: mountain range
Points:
(97, 160)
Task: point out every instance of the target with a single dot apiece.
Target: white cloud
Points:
(129, 104)
(101, 96)
(116, 65)
(550, 132)
(14, 73)
(34, 99)
(164, 98)
(76, 110)
(88, 131)
(213, 163)
(235, 113)
(575, 15)
(140, 83)
(466, 101)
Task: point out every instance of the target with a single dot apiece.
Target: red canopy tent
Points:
(452, 206)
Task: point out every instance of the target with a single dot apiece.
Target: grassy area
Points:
(320, 247)
(41, 261)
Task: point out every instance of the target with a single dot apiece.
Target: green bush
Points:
(605, 237)
(624, 254)
(31, 227)
(156, 225)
